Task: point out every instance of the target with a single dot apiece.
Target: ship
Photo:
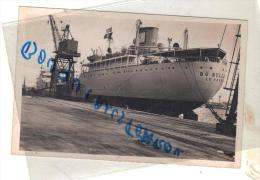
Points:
(42, 81)
(148, 77)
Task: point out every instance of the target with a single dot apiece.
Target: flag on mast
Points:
(108, 34)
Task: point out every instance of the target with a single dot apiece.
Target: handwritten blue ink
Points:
(147, 137)
(113, 113)
(87, 93)
(167, 147)
(69, 67)
(26, 54)
(78, 88)
(157, 144)
(25, 48)
(121, 119)
(59, 77)
(144, 136)
(99, 102)
(51, 60)
(138, 131)
(66, 75)
(76, 83)
(42, 56)
(128, 128)
(178, 151)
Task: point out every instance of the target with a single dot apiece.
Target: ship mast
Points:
(109, 38)
(169, 43)
(185, 41)
(138, 25)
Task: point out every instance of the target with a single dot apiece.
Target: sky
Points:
(89, 28)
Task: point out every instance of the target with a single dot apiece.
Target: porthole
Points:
(172, 67)
(200, 67)
(210, 68)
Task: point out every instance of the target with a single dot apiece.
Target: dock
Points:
(57, 125)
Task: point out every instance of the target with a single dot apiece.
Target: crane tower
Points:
(63, 63)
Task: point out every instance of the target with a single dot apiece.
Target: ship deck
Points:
(56, 125)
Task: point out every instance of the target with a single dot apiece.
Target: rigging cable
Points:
(222, 36)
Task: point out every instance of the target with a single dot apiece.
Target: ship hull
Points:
(166, 107)
(168, 88)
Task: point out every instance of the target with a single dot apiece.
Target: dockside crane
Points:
(62, 69)
(227, 125)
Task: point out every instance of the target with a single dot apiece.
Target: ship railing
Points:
(202, 58)
(111, 59)
(189, 59)
(162, 60)
(111, 63)
(149, 60)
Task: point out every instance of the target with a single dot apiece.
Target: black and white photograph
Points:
(134, 87)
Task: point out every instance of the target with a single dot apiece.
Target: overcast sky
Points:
(89, 28)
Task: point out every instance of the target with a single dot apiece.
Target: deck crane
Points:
(63, 63)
